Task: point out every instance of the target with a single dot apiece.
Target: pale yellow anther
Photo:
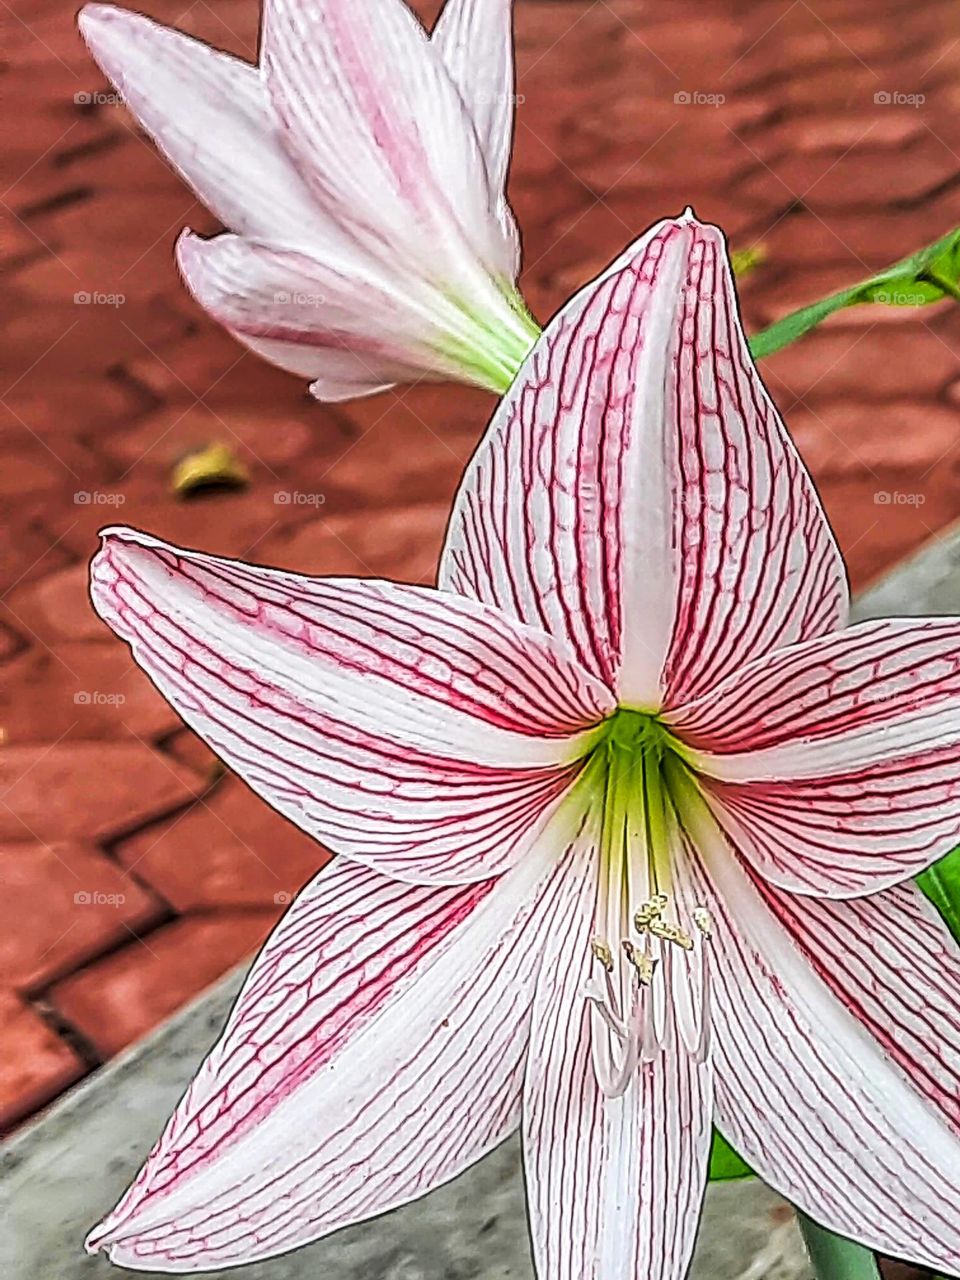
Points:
(671, 933)
(602, 953)
(703, 920)
(644, 964)
(649, 911)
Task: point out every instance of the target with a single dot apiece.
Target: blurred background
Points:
(823, 137)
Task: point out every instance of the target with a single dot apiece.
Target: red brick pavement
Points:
(132, 873)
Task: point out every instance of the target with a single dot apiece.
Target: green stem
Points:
(835, 1258)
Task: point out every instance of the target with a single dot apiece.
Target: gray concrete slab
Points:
(925, 585)
(67, 1169)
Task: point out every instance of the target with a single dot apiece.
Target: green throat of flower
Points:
(650, 942)
(637, 774)
(488, 349)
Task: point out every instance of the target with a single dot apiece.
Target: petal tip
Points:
(92, 16)
(118, 533)
(105, 1238)
(120, 540)
(98, 22)
(98, 1237)
(187, 251)
(708, 230)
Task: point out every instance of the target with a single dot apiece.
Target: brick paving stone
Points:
(29, 467)
(876, 533)
(87, 789)
(56, 609)
(866, 130)
(61, 905)
(763, 115)
(803, 240)
(194, 753)
(251, 856)
(403, 543)
(29, 556)
(401, 452)
(194, 370)
(36, 1064)
(827, 185)
(10, 643)
(47, 407)
(882, 363)
(262, 441)
(118, 999)
(838, 439)
(88, 689)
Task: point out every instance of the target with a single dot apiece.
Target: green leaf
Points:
(927, 276)
(941, 884)
(725, 1164)
(834, 1257)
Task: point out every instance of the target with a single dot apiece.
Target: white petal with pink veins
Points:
(375, 1051)
(210, 115)
(332, 309)
(380, 130)
(398, 724)
(836, 1056)
(615, 1185)
(475, 40)
(835, 765)
(335, 374)
(352, 170)
(636, 494)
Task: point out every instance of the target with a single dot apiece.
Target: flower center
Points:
(650, 988)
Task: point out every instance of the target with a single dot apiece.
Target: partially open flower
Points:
(360, 173)
(624, 817)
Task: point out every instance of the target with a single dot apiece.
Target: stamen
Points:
(645, 965)
(703, 920)
(649, 993)
(649, 911)
(602, 953)
(671, 933)
(701, 1050)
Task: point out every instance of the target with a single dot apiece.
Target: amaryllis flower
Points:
(625, 820)
(360, 173)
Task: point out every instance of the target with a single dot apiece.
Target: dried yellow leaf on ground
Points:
(215, 466)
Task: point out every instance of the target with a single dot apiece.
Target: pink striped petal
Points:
(837, 761)
(380, 130)
(837, 1054)
(345, 325)
(636, 494)
(422, 732)
(344, 330)
(615, 1186)
(210, 115)
(475, 40)
(341, 1086)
